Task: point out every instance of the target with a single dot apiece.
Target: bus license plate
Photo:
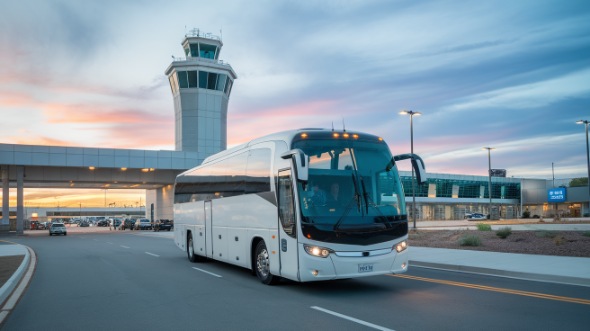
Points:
(365, 267)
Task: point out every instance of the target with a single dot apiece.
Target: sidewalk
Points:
(553, 269)
(7, 300)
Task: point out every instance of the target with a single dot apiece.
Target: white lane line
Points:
(152, 254)
(371, 325)
(110, 243)
(125, 246)
(207, 272)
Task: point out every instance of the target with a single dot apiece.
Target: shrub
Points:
(545, 234)
(484, 227)
(526, 214)
(504, 232)
(559, 240)
(469, 240)
(586, 234)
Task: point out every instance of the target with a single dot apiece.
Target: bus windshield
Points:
(353, 193)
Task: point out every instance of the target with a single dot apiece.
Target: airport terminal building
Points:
(201, 85)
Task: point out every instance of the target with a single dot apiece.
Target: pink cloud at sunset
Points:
(243, 127)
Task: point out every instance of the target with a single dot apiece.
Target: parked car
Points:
(102, 223)
(477, 216)
(143, 224)
(163, 225)
(84, 224)
(116, 222)
(57, 228)
(128, 223)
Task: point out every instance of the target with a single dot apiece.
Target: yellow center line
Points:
(498, 289)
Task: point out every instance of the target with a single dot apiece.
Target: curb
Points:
(567, 280)
(11, 292)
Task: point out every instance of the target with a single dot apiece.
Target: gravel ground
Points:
(561, 243)
(8, 265)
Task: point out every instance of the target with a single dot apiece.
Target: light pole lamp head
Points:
(578, 122)
(410, 112)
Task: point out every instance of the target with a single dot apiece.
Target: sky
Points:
(512, 75)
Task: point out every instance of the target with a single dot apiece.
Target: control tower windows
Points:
(212, 81)
(192, 79)
(203, 79)
(207, 51)
(221, 82)
(182, 79)
(228, 84)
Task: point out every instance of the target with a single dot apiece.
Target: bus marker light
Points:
(315, 272)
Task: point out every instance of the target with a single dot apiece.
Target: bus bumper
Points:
(337, 267)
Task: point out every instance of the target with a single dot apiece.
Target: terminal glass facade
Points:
(451, 197)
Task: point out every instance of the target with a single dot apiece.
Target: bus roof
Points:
(286, 136)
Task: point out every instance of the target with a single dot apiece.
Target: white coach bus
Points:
(306, 205)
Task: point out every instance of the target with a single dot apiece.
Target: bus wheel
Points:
(190, 250)
(263, 265)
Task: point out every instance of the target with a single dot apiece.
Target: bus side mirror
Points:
(300, 160)
(417, 164)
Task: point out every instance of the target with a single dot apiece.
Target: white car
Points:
(58, 228)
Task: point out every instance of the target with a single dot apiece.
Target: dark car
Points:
(84, 224)
(128, 223)
(102, 223)
(477, 216)
(163, 225)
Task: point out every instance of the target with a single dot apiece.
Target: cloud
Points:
(531, 95)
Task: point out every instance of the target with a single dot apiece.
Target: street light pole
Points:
(585, 122)
(489, 178)
(412, 114)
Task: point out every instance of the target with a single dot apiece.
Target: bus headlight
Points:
(317, 251)
(401, 246)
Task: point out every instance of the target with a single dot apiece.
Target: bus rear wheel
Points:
(263, 265)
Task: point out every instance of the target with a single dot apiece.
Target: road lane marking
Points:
(110, 243)
(125, 246)
(207, 272)
(497, 289)
(152, 254)
(371, 325)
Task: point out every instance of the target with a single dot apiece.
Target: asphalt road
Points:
(142, 281)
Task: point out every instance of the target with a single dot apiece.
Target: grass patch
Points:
(586, 234)
(470, 240)
(504, 232)
(545, 234)
(484, 227)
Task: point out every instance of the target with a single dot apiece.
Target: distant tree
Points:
(581, 181)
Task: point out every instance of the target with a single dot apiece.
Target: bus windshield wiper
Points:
(365, 195)
(357, 195)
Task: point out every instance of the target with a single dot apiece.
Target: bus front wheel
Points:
(263, 265)
(190, 250)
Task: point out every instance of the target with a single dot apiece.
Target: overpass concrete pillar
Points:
(20, 222)
(5, 196)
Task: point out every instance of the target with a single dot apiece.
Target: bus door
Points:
(287, 226)
(208, 230)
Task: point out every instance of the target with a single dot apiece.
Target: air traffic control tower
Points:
(201, 85)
